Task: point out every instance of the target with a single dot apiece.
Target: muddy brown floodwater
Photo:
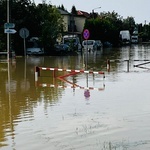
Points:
(62, 110)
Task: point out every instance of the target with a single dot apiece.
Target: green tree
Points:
(129, 24)
(62, 7)
(42, 21)
(73, 10)
(3, 20)
(24, 15)
(105, 27)
(51, 24)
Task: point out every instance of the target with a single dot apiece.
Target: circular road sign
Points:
(24, 33)
(86, 34)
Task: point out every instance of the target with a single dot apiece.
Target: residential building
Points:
(74, 24)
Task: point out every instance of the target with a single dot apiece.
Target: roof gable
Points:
(83, 13)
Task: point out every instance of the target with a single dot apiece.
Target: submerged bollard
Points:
(108, 65)
(37, 74)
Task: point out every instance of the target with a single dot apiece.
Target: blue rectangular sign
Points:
(11, 31)
(9, 25)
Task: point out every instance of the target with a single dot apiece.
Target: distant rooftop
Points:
(63, 12)
(83, 13)
(79, 13)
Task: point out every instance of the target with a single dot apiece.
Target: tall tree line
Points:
(106, 26)
(42, 20)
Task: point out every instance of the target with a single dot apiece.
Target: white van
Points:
(90, 45)
(68, 39)
(125, 37)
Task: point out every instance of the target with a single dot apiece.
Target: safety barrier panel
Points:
(62, 78)
(69, 70)
(3, 53)
(37, 71)
(11, 56)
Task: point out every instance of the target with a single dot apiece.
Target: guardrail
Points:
(3, 53)
(38, 69)
(62, 78)
(9, 54)
(128, 61)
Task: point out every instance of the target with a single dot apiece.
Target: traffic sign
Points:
(11, 31)
(86, 34)
(24, 33)
(9, 25)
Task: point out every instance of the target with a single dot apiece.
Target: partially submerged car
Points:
(99, 44)
(73, 41)
(34, 47)
(61, 48)
(35, 51)
(89, 45)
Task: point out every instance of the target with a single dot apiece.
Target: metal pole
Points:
(86, 54)
(127, 65)
(93, 13)
(8, 42)
(24, 47)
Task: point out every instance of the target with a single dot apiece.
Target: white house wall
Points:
(79, 22)
(66, 22)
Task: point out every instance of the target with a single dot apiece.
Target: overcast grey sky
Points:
(139, 9)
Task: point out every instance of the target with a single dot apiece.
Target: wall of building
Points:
(66, 22)
(79, 22)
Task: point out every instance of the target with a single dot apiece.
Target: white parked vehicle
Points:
(134, 39)
(34, 47)
(125, 37)
(90, 45)
(72, 39)
(35, 51)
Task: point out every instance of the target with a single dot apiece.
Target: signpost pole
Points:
(24, 41)
(24, 33)
(86, 53)
(8, 42)
(86, 35)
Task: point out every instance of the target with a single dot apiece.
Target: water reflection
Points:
(20, 96)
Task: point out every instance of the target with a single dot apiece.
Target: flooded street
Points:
(76, 110)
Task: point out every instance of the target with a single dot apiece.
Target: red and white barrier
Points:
(70, 70)
(37, 71)
(69, 87)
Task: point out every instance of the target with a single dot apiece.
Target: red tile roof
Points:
(83, 13)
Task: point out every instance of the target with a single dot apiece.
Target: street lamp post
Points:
(95, 9)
